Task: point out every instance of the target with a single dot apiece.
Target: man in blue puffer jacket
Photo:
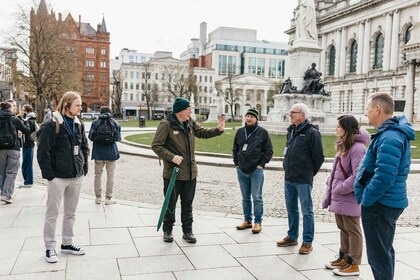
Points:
(380, 184)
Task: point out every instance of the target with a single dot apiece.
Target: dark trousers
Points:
(379, 222)
(27, 160)
(186, 190)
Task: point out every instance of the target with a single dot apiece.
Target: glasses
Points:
(294, 112)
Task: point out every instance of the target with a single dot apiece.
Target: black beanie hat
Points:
(253, 112)
(180, 104)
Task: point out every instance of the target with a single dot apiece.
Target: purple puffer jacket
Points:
(340, 191)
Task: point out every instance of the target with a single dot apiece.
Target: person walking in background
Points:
(252, 150)
(105, 132)
(48, 115)
(303, 157)
(351, 147)
(9, 149)
(174, 143)
(380, 185)
(62, 156)
(28, 148)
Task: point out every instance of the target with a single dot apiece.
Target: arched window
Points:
(407, 37)
(353, 57)
(379, 47)
(331, 67)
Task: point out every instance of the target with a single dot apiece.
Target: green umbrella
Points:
(171, 185)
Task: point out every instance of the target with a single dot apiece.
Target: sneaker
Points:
(25, 186)
(6, 199)
(305, 249)
(287, 242)
(109, 201)
(51, 256)
(244, 225)
(72, 249)
(256, 228)
(98, 200)
(338, 263)
(189, 237)
(347, 270)
(167, 236)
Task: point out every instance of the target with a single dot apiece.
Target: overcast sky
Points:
(166, 25)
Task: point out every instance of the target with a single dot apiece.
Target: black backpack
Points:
(7, 134)
(105, 133)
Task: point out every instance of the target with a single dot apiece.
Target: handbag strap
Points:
(342, 168)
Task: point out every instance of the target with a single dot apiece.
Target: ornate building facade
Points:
(362, 51)
(93, 52)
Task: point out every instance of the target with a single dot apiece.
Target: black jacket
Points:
(304, 153)
(31, 117)
(55, 152)
(17, 124)
(258, 152)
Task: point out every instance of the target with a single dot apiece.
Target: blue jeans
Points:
(251, 185)
(27, 160)
(293, 192)
(379, 222)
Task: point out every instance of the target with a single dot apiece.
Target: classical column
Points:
(366, 48)
(264, 103)
(360, 37)
(409, 90)
(323, 60)
(387, 42)
(337, 53)
(394, 41)
(343, 52)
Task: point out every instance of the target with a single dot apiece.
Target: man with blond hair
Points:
(380, 184)
(63, 159)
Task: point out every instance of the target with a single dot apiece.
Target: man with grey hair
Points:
(303, 157)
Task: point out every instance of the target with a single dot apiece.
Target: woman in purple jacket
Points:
(351, 147)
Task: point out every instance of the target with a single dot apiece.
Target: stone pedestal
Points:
(212, 114)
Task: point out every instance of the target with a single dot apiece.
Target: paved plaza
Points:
(121, 240)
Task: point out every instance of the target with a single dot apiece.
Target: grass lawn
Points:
(223, 144)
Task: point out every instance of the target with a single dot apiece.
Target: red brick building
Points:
(92, 46)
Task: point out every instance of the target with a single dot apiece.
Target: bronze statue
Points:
(312, 83)
(288, 87)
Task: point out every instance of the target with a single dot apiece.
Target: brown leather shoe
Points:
(305, 249)
(287, 242)
(256, 228)
(244, 225)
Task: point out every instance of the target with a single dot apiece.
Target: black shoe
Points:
(167, 236)
(189, 237)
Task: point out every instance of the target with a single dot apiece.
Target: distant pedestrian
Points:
(252, 150)
(381, 185)
(47, 115)
(303, 157)
(9, 149)
(62, 156)
(28, 148)
(174, 143)
(351, 146)
(105, 132)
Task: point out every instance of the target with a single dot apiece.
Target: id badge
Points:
(75, 150)
(244, 147)
(285, 151)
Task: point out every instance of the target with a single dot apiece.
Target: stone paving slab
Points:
(121, 242)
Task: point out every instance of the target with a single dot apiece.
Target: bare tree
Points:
(146, 86)
(117, 84)
(176, 80)
(48, 58)
(230, 94)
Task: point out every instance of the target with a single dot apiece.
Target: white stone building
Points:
(362, 51)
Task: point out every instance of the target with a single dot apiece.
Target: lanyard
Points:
(71, 131)
(247, 136)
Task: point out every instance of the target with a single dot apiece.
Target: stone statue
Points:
(306, 21)
(312, 83)
(288, 87)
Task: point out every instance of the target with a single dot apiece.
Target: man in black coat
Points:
(303, 157)
(252, 150)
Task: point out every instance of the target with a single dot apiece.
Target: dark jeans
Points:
(186, 190)
(27, 160)
(379, 222)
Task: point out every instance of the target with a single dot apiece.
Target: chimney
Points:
(203, 36)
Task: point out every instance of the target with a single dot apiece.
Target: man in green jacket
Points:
(174, 143)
